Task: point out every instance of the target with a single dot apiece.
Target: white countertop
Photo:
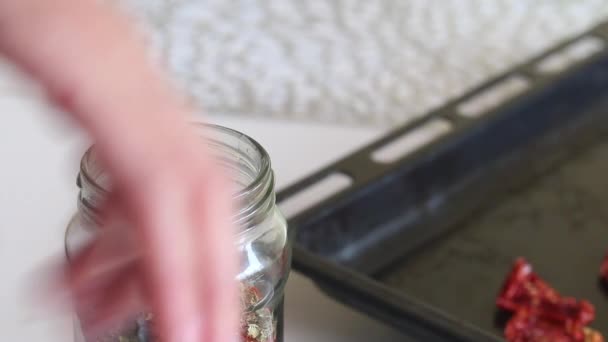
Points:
(40, 153)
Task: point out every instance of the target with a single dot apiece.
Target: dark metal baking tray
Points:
(424, 242)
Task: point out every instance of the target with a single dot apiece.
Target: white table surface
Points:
(39, 156)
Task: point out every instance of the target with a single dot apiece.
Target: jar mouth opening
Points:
(243, 157)
(245, 152)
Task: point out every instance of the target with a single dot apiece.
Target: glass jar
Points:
(263, 243)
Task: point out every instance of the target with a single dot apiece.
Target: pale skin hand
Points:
(180, 257)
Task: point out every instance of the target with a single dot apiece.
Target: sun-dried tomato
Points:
(523, 287)
(541, 313)
(525, 326)
(566, 310)
(604, 269)
(246, 338)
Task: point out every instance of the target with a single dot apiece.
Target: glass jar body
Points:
(262, 241)
(265, 254)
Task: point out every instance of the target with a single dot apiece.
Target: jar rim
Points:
(261, 175)
(265, 164)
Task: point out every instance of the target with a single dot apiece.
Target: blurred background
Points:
(348, 62)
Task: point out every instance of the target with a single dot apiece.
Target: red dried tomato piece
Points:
(523, 287)
(567, 311)
(541, 313)
(604, 269)
(525, 290)
(526, 326)
(247, 338)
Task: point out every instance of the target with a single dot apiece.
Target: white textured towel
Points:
(350, 61)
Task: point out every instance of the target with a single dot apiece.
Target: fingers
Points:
(215, 233)
(113, 250)
(177, 255)
(104, 276)
(190, 257)
(100, 261)
(169, 260)
(111, 307)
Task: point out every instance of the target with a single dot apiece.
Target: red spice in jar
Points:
(257, 325)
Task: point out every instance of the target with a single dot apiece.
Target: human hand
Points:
(166, 242)
(177, 253)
